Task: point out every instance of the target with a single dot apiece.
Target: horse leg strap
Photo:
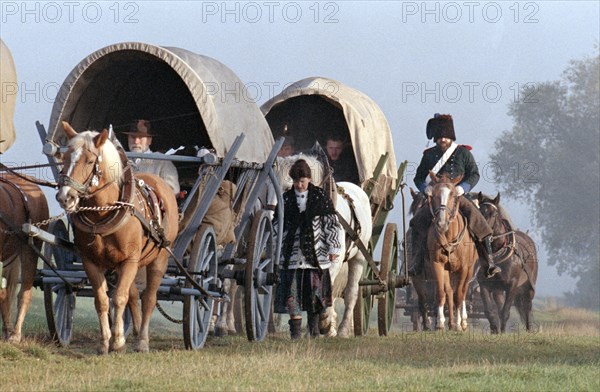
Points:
(359, 244)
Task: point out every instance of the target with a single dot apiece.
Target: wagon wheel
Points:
(238, 311)
(59, 299)
(364, 302)
(198, 310)
(387, 272)
(259, 277)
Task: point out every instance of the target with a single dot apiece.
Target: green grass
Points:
(563, 355)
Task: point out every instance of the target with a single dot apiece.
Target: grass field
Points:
(564, 355)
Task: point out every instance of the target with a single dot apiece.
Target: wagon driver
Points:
(454, 160)
(140, 139)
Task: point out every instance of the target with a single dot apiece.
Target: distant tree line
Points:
(551, 161)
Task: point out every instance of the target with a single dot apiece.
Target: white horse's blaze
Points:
(442, 224)
(63, 196)
(75, 157)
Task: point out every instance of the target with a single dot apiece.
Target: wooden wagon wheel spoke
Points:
(389, 265)
(198, 310)
(59, 300)
(258, 282)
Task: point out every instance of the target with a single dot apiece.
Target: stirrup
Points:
(493, 271)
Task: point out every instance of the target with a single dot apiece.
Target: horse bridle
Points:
(92, 180)
(441, 208)
(508, 247)
(447, 246)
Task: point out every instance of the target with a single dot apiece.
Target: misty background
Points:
(470, 59)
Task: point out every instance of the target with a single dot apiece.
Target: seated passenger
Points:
(140, 139)
(341, 160)
(288, 147)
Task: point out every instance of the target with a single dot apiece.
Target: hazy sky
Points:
(414, 59)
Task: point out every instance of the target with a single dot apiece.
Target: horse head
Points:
(443, 201)
(89, 166)
(490, 209)
(495, 216)
(284, 164)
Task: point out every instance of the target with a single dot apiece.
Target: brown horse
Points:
(21, 201)
(120, 223)
(451, 251)
(515, 252)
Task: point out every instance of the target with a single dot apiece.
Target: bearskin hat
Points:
(441, 125)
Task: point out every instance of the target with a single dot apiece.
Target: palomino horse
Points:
(21, 202)
(515, 252)
(451, 251)
(120, 223)
(352, 203)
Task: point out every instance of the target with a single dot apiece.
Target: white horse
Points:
(345, 274)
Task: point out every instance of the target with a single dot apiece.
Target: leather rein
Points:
(447, 246)
(509, 245)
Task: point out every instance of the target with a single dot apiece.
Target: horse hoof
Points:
(142, 347)
(14, 339)
(220, 332)
(118, 350)
(102, 350)
(343, 333)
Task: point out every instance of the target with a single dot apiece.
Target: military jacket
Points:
(461, 162)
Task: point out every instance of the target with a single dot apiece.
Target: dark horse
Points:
(422, 282)
(21, 201)
(515, 252)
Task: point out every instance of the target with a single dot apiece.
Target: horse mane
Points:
(111, 160)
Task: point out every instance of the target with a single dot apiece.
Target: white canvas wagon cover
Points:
(190, 100)
(8, 82)
(368, 129)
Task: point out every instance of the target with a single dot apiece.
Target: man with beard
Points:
(454, 160)
(140, 139)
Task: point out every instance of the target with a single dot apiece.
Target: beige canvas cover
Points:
(369, 131)
(8, 82)
(189, 98)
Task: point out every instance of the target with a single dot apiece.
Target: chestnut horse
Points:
(120, 223)
(515, 252)
(21, 201)
(451, 252)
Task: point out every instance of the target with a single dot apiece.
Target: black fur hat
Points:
(441, 125)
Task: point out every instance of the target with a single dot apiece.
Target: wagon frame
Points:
(242, 149)
(309, 107)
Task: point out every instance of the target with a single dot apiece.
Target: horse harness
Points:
(14, 229)
(508, 248)
(353, 234)
(448, 247)
(131, 190)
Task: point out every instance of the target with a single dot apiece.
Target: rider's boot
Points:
(295, 328)
(484, 249)
(313, 324)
